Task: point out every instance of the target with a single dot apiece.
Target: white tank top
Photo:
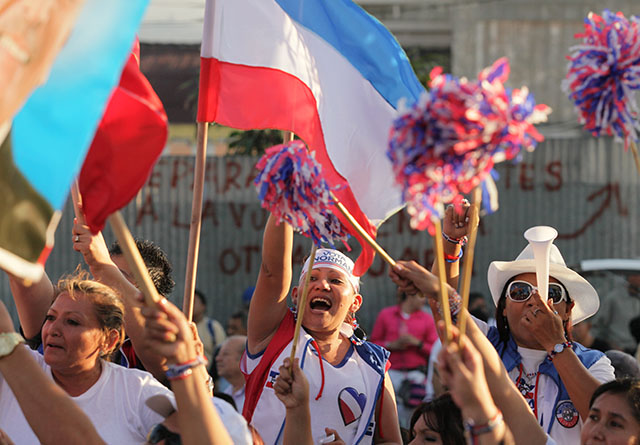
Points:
(340, 407)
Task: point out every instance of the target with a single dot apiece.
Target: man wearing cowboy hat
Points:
(533, 337)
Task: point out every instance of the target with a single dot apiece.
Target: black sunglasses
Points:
(160, 432)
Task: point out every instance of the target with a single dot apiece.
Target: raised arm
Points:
(547, 327)
(168, 334)
(95, 253)
(292, 389)
(51, 413)
(411, 277)
(269, 302)
(515, 408)
(32, 302)
(455, 227)
(462, 371)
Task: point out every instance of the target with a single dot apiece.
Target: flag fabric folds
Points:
(129, 139)
(50, 135)
(327, 71)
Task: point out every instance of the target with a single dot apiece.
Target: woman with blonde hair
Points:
(83, 326)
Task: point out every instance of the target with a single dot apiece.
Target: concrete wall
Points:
(534, 34)
(586, 188)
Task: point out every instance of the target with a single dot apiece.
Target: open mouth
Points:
(54, 346)
(320, 304)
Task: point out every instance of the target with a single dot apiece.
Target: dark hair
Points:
(624, 365)
(157, 264)
(240, 315)
(629, 388)
(502, 324)
(107, 307)
(201, 297)
(442, 416)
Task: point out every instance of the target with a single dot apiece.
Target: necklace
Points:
(527, 384)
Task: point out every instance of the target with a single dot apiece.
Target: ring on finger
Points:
(77, 238)
(555, 312)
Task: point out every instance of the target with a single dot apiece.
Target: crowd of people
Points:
(120, 372)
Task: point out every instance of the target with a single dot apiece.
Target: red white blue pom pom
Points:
(603, 74)
(448, 142)
(290, 186)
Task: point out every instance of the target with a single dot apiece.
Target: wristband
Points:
(183, 370)
(453, 258)
(459, 241)
(454, 305)
(484, 428)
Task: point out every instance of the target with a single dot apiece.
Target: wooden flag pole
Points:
(444, 295)
(196, 220)
(468, 262)
(636, 158)
(302, 303)
(363, 233)
(76, 198)
(134, 259)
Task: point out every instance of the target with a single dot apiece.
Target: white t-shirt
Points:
(237, 396)
(340, 406)
(233, 421)
(115, 404)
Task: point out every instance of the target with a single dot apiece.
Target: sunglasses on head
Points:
(160, 432)
(520, 291)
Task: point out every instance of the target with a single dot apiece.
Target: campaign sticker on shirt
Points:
(351, 404)
(567, 414)
(273, 375)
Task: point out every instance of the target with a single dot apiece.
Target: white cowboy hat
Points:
(581, 292)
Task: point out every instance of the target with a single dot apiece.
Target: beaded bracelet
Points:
(183, 370)
(454, 306)
(453, 258)
(459, 241)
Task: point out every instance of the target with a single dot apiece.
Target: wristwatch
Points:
(8, 342)
(558, 348)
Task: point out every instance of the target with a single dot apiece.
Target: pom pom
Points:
(448, 142)
(290, 186)
(603, 74)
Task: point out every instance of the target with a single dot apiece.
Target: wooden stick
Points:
(76, 198)
(134, 259)
(468, 262)
(363, 233)
(444, 295)
(634, 150)
(287, 136)
(302, 303)
(196, 220)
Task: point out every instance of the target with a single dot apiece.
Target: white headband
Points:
(333, 259)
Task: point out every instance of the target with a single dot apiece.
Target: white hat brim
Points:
(580, 290)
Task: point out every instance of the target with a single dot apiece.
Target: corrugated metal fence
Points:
(585, 187)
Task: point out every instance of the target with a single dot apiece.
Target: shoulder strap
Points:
(257, 379)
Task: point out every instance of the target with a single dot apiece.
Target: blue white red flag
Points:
(51, 134)
(325, 70)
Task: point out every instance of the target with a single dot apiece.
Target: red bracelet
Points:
(453, 258)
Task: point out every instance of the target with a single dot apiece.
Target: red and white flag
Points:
(327, 71)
